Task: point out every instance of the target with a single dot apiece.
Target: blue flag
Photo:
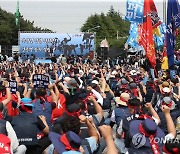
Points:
(132, 39)
(173, 21)
(134, 10)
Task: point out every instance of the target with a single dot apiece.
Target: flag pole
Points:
(164, 11)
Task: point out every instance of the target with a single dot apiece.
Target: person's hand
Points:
(6, 84)
(106, 132)
(31, 85)
(43, 118)
(50, 86)
(60, 84)
(18, 94)
(91, 98)
(82, 118)
(148, 106)
(165, 109)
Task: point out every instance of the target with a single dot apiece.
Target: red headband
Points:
(24, 108)
(122, 99)
(169, 105)
(65, 141)
(154, 145)
(78, 113)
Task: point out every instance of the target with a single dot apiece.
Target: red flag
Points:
(146, 34)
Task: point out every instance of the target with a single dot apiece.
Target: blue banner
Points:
(46, 45)
(134, 10)
(133, 37)
(172, 24)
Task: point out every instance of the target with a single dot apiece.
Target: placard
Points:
(40, 81)
(13, 86)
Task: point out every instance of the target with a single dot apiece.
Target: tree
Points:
(9, 30)
(109, 23)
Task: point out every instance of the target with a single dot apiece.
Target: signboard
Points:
(13, 86)
(15, 49)
(40, 81)
(46, 45)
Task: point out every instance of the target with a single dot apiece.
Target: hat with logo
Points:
(146, 133)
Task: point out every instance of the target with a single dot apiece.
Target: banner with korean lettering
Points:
(46, 45)
(134, 10)
(40, 81)
(173, 22)
(146, 34)
(13, 86)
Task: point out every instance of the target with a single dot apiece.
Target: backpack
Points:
(106, 104)
(5, 144)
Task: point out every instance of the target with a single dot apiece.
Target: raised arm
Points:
(64, 87)
(153, 112)
(93, 132)
(53, 95)
(106, 133)
(97, 107)
(28, 94)
(170, 124)
(8, 93)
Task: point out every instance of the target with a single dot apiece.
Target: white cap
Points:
(95, 82)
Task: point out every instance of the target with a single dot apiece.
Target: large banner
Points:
(47, 45)
(134, 10)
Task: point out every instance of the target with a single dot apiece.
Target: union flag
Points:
(146, 33)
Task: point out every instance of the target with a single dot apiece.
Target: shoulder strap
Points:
(86, 146)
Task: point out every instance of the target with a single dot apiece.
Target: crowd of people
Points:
(112, 106)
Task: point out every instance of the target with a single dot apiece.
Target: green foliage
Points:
(9, 30)
(109, 24)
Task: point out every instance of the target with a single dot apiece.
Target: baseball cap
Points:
(27, 102)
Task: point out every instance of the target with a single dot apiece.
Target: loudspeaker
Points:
(104, 53)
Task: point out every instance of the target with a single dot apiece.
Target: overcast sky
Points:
(65, 16)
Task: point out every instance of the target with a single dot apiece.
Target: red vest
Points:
(60, 108)
(11, 110)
